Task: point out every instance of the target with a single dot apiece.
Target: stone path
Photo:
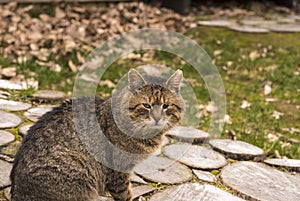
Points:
(185, 168)
(255, 24)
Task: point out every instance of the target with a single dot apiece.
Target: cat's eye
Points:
(146, 105)
(165, 106)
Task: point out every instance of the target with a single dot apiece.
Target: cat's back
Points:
(52, 149)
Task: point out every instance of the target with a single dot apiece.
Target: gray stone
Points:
(9, 120)
(23, 130)
(195, 156)
(35, 113)
(217, 23)
(205, 176)
(291, 164)
(286, 28)
(18, 85)
(163, 170)
(13, 105)
(5, 169)
(248, 29)
(261, 182)
(49, 95)
(135, 178)
(193, 192)
(141, 190)
(257, 23)
(186, 134)
(6, 137)
(237, 150)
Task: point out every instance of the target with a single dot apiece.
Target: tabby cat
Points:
(54, 164)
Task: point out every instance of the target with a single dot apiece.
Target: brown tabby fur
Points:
(53, 164)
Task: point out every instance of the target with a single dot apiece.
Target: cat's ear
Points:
(173, 83)
(135, 80)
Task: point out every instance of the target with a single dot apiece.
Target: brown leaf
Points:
(72, 66)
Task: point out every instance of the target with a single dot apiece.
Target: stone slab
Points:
(13, 105)
(261, 182)
(248, 29)
(18, 85)
(186, 134)
(237, 150)
(141, 190)
(258, 23)
(291, 164)
(49, 95)
(5, 169)
(23, 130)
(163, 170)
(195, 156)
(9, 120)
(216, 23)
(34, 114)
(135, 178)
(285, 28)
(193, 192)
(6, 137)
(205, 176)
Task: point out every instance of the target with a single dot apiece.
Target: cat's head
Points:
(155, 104)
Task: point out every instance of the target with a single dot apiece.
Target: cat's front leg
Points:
(118, 185)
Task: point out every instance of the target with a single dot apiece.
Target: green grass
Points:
(244, 79)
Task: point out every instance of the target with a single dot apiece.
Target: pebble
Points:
(205, 176)
(193, 192)
(5, 169)
(195, 156)
(186, 134)
(34, 114)
(248, 29)
(291, 164)
(9, 120)
(13, 105)
(6, 137)
(49, 95)
(23, 130)
(141, 190)
(237, 150)
(163, 170)
(261, 182)
(18, 85)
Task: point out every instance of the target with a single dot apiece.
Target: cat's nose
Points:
(156, 113)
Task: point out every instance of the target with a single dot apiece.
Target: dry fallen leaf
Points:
(218, 52)
(72, 66)
(254, 55)
(277, 114)
(245, 104)
(267, 89)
